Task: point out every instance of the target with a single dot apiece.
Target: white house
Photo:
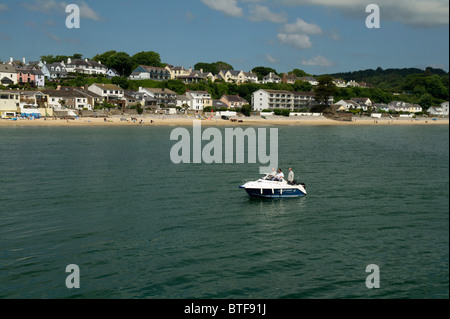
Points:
(53, 71)
(310, 79)
(380, 107)
(251, 77)
(111, 73)
(163, 97)
(198, 100)
(271, 78)
(182, 101)
(275, 99)
(233, 76)
(364, 102)
(398, 106)
(439, 111)
(9, 103)
(85, 67)
(68, 99)
(144, 72)
(347, 105)
(176, 71)
(8, 74)
(108, 91)
(353, 84)
(40, 78)
(340, 83)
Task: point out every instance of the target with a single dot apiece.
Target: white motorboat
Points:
(266, 187)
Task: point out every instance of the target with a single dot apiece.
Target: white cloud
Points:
(59, 7)
(46, 6)
(88, 13)
(229, 7)
(318, 61)
(262, 13)
(52, 36)
(298, 41)
(3, 7)
(418, 13)
(303, 27)
(271, 59)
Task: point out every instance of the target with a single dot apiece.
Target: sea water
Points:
(110, 200)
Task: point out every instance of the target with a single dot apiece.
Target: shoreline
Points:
(188, 121)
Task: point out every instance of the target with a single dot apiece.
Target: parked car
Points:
(226, 118)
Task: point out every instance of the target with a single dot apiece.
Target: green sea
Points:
(110, 200)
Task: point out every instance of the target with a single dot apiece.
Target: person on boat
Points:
(291, 176)
(280, 176)
(272, 175)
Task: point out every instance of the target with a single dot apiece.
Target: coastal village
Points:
(38, 101)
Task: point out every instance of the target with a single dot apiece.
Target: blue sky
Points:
(318, 36)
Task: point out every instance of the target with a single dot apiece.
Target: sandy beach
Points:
(188, 121)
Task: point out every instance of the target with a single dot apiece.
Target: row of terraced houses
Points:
(87, 98)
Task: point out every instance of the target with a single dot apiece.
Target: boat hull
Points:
(268, 188)
(276, 193)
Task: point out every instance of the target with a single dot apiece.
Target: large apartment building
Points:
(274, 99)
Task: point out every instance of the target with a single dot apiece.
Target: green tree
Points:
(220, 65)
(206, 67)
(325, 90)
(80, 80)
(121, 81)
(148, 58)
(246, 110)
(436, 88)
(286, 112)
(299, 73)
(262, 71)
(103, 57)
(302, 86)
(122, 62)
(177, 86)
(426, 101)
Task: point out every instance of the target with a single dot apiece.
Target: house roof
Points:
(110, 87)
(198, 92)
(181, 68)
(272, 75)
(304, 93)
(234, 73)
(308, 78)
(86, 63)
(291, 77)
(7, 68)
(182, 98)
(279, 92)
(63, 93)
(89, 94)
(360, 99)
(193, 75)
(150, 68)
(235, 98)
(160, 91)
